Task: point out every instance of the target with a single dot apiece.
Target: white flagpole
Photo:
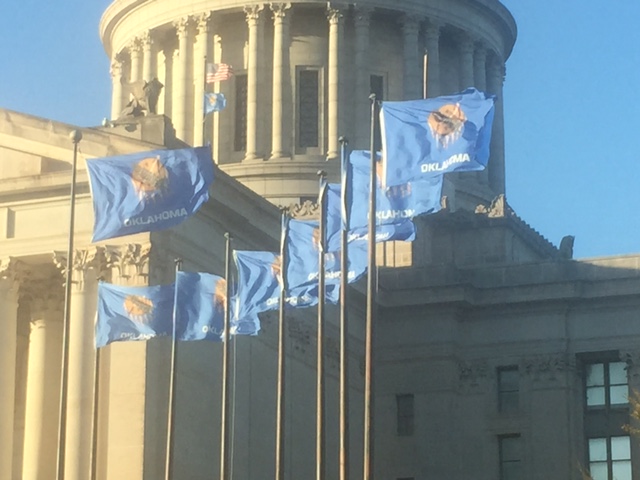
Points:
(320, 387)
(224, 416)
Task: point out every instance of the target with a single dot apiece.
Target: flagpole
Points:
(224, 425)
(280, 411)
(204, 115)
(75, 136)
(425, 57)
(320, 388)
(172, 382)
(371, 303)
(94, 426)
(344, 325)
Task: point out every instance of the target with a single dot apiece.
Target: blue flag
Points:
(202, 299)
(214, 102)
(435, 136)
(148, 191)
(133, 313)
(259, 287)
(394, 205)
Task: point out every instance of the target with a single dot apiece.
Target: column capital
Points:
(362, 16)
(182, 26)
(432, 30)
(204, 22)
(146, 39)
(480, 51)
(12, 274)
(135, 46)
(496, 70)
(410, 24)
(465, 43)
(253, 13)
(280, 11)
(117, 64)
(335, 15)
(88, 260)
(44, 294)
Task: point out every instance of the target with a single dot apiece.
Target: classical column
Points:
(116, 82)
(480, 67)
(465, 49)
(43, 379)
(410, 29)
(336, 25)
(181, 77)
(168, 53)
(135, 52)
(148, 56)
(88, 265)
(496, 166)
(432, 44)
(362, 22)
(10, 273)
(280, 147)
(204, 44)
(255, 24)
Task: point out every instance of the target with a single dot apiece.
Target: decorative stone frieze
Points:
(547, 368)
(473, 375)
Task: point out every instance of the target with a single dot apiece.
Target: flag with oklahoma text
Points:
(201, 302)
(148, 191)
(436, 135)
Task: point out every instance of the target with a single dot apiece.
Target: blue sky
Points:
(571, 97)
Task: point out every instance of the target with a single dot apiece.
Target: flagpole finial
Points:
(372, 97)
(75, 136)
(228, 236)
(322, 173)
(343, 140)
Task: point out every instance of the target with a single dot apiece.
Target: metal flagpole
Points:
(94, 426)
(204, 113)
(75, 137)
(425, 57)
(344, 325)
(320, 389)
(371, 303)
(172, 382)
(224, 416)
(280, 412)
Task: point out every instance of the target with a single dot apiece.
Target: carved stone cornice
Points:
(307, 211)
(253, 14)
(547, 368)
(472, 375)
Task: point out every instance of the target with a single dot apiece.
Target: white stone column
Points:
(255, 26)
(168, 53)
(362, 22)
(480, 67)
(410, 29)
(204, 46)
(88, 265)
(496, 166)
(148, 56)
(10, 273)
(135, 52)
(432, 44)
(280, 144)
(116, 82)
(336, 38)
(43, 380)
(465, 49)
(181, 77)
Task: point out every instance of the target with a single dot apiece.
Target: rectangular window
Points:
(376, 84)
(606, 384)
(508, 389)
(404, 415)
(510, 454)
(610, 458)
(240, 134)
(308, 108)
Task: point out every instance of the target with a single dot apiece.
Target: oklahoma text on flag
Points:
(148, 191)
(435, 136)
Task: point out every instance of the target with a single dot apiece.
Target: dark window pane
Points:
(240, 137)
(308, 118)
(508, 389)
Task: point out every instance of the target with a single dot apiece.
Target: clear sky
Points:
(572, 96)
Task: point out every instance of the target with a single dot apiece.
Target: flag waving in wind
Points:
(218, 72)
(148, 191)
(214, 102)
(422, 138)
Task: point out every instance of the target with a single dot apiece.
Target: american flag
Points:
(218, 72)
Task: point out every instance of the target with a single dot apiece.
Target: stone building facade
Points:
(497, 355)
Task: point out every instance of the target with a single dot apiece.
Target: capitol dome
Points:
(303, 74)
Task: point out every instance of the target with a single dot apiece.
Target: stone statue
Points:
(566, 247)
(144, 98)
